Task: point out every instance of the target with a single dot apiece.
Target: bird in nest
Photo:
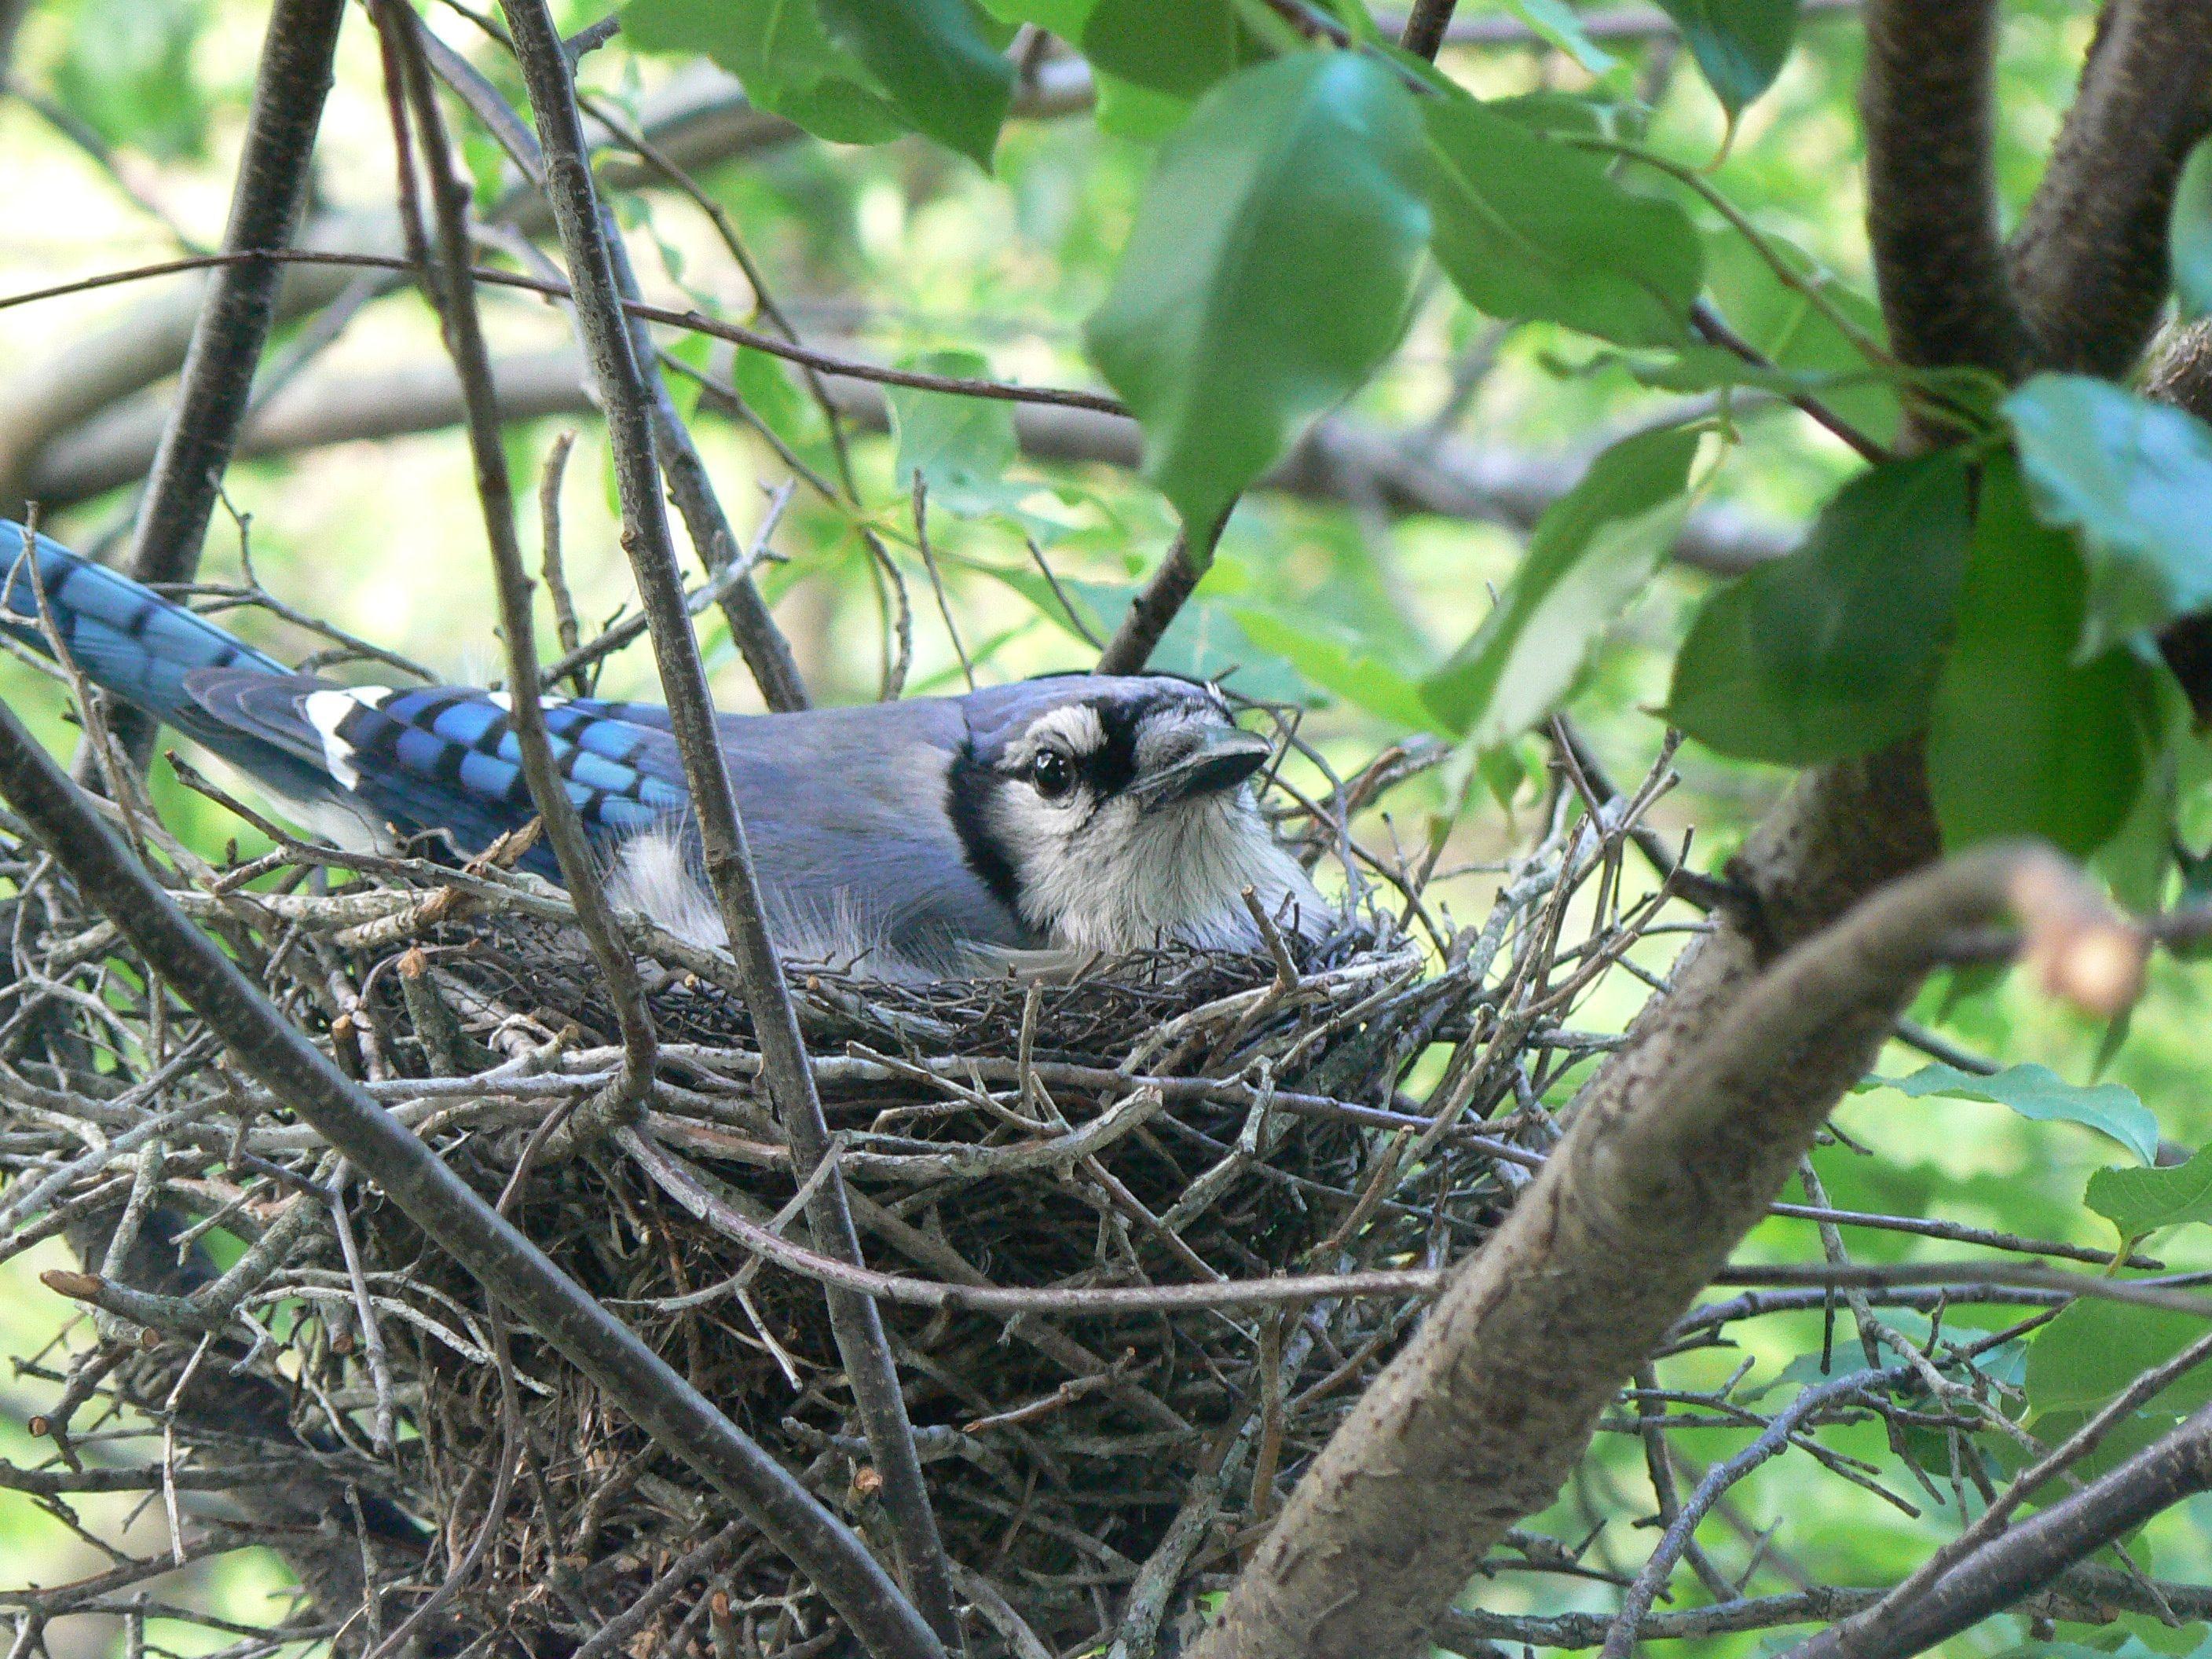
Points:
(1071, 815)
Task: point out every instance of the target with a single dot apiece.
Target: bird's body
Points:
(917, 838)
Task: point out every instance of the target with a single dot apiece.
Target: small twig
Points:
(921, 497)
(565, 627)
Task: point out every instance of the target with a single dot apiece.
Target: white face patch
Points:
(326, 712)
(1076, 729)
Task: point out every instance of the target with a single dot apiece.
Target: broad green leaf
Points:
(936, 64)
(2188, 234)
(1741, 44)
(1177, 46)
(1064, 18)
(1268, 271)
(961, 446)
(1591, 553)
(2140, 1201)
(2023, 740)
(2134, 478)
(1137, 113)
(1833, 651)
(1528, 228)
(780, 53)
(1337, 661)
(1792, 333)
(2093, 1352)
(2039, 1092)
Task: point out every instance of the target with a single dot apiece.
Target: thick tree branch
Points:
(1671, 1157)
(2029, 1556)
(855, 1320)
(2089, 261)
(1931, 201)
(272, 187)
(448, 1211)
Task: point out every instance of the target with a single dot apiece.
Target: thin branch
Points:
(273, 169)
(2088, 263)
(1427, 26)
(2035, 1553)
(447, 1209)
(1154, 609)
(855, 1321)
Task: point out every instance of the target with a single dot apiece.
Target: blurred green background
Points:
(119, 154)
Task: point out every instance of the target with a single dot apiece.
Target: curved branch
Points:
(2089, 263)
(1485, 1412)
(1931, 200)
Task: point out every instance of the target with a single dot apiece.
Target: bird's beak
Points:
(1218, 758)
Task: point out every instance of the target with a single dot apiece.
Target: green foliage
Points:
(2190, 233)
(2039, 1093)
(1526, 227)
(938, 64)
(1268, 271)
(1741, 44)
(1834, 650)
(781, 53)
(129, 78)
(2089, 1355)
(1180, 47)
(961, 446)
(2133, 477)
(1555, 23)
(2140, 1202)
(1591, 554)
(2024, 738)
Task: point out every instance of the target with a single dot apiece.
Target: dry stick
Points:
(766, 651)
(2175, 1467)
(632, 1377)
(204, 423)
(1870, 1624)
(858, 1326)
(565, 626)
(455, 297)
(1620, 1639)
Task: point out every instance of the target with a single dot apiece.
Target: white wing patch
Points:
(326, 712)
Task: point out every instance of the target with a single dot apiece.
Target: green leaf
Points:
(2140, 1201)
(1528, 228)
(1590, 554)
(2023, 740)
(1177, 46)
(2135, 477)
(1137, 113)
(2093, 1351)
(1555, 23)
(961, 446)
(126, 72)
(780, 51)
(1791, 332)
(1833, 651)
(1741, 44)
(1064, 18)
(936, 64)
(1338, 661)
(2039, 1092)
(2189, 234)
(1268, 270)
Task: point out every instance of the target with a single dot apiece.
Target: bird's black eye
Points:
(1053, 773)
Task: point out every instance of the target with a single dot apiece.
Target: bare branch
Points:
(294, 76)
(859, 1328)
(2088, 263)
(1931, 206)
(1427, 26)
(2034, 1554)
(1153, 611)
(1479, 1419)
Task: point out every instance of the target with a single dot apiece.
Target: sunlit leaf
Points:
(2140, 1201)
(2134, 476)
(1739, 45)
(1528, 228)
(1833, 651)
(1591, 553)
(2039, 1092)
(2022, 739)
(1337, 661)
(961, 446)
(780, 53)
(1554, 22)
(1780, 318)
(936, 64)
(2189, 235)
(1268, 271)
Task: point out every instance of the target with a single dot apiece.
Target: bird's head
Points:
(1115, 813)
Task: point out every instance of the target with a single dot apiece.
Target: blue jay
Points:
(929, 838)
